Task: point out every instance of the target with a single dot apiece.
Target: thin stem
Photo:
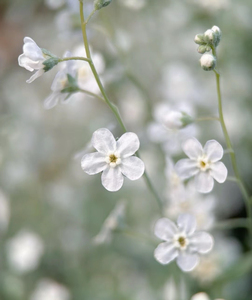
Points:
(232, 153)
(231, 224)
(91, 94)
(90, 16)
(113, 108)
(207, 119)
(74, 58)
(230, 178)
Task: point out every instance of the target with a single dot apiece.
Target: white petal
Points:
(35, 75)
(59, 81)
(112, 179)
(200, 296)
(186, 168)
(132, 167)
(187, 261)
(32, 50)
(103, 141)
(219, 172)
(165, 253)
(192, 148)
(187, 223)
(201, 242)
(127, 144)
(213, 150)
(204, 182)
(93, 163)
(165, 229)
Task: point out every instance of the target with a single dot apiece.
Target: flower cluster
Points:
(207, 42)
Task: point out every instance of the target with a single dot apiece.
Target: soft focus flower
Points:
(202, 296)
(59, 83)
(208, 62)
(32, 58)
(114, 158)
(48, 289)
(133, 4)
(182, 242)
(24, 251)
(113, 221)
(4, 212)
(54, 4)
(203, 163)
(185, 199)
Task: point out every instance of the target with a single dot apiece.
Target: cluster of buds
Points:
(207, 42)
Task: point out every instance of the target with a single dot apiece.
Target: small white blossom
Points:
(203, 163)
(207, 62)
(114, 158)
(182, 242)
(202, 296)
(32, 59)
(24, 251)
(59, 83)
(48, 289)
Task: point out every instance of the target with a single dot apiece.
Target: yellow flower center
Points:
(182, 241)
(112, 158)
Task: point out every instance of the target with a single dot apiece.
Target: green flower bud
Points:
(207, 62)
(98, 4)
(217, 33)
(199, 39)
(202, 49)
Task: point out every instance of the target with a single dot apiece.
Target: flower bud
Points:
(217, 33)
(199, 39)
(209, 36)
(202, 49)
(207, 62)
(98, 4)
(177, 120)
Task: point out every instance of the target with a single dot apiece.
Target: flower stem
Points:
(74, 58)
(91, 94)
(112, 106)
(232, 153)
(233, 223)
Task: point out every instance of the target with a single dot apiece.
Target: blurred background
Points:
(54, 243)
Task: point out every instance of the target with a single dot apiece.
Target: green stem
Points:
(91, 94)
(113, 108)
(74, 58)
(90, 16)
(231, 224)
(232, 153)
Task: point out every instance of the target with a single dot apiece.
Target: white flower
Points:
(202, 296)
(112, 222)
(182, 242)
(59, 83)
(24, 251)
(48, 289)
(32, 58)
(114, 158)
(202, 162)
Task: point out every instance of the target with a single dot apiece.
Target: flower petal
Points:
(112, 179)
(201, 296)
(132, 167)
(187, 261)
(204, 182)
(32, 50)
(127, 144)
(52, 100)
(219, 172)
(165, 229)
(165, 253)
(186, 168)
(35, 75)
(187, 223)
(201, 242)
(213, 150)
(192, 148)
(103, 141)
(93, 163)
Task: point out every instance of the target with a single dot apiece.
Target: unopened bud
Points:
(209, 36)
(177, 120)
(98, 4)
(199, 39)
(217, 33)
(202, 49)
(208, 62)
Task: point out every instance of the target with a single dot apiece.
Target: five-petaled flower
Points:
(182, 242)
(114, 158)
(202, 162)
(32, 59)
